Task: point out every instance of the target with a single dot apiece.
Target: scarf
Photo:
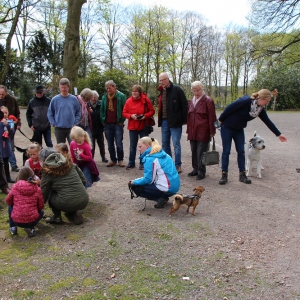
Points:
(84, 111)
(255, 109)
(110, 101)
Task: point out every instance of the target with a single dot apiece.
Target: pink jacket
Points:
(27, 200)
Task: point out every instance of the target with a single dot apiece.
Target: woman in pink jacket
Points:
(138, 109)
(25, 203)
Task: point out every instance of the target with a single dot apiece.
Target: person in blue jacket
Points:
(161, 179)
(234, 119)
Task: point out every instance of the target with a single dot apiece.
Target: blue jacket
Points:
(159, 169)
(236, 116)
(64, 112)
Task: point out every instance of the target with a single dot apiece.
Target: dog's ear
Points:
(252, 140)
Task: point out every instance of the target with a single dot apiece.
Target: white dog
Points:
(256, 144)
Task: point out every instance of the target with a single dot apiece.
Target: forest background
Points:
(93, 41)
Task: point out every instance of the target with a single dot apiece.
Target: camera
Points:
(138, 117)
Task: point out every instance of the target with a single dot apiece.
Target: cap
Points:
(39, 88)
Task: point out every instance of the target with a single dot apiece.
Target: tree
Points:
(71, 58)
(16, 11)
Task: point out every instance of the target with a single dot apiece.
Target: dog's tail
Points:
(178, 197)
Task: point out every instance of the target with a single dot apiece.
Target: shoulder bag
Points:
(211, 157)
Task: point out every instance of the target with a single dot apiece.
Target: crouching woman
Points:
(63, 185)
(161, 179)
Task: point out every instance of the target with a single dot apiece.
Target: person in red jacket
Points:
(25, 203)
(200, 127)
(137, 109)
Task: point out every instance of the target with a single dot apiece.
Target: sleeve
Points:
(151, 111)
(77, 111)
(211, 116)
(264, 117)
(102, 109)
(29, 114)
(86, 155)
(125, 112)
(123, 101)
(72, 151)
(50, 113)
(10, 198)
(17, 113)
(81, 176)
(40, 204)
(148, 173)
(27, 164)
(46, 184)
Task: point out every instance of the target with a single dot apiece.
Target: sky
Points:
(219, 13)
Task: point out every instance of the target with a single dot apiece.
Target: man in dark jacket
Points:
(36, 116)
(13, 109)
(172, 114)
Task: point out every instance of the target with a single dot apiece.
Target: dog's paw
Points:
(258, 175)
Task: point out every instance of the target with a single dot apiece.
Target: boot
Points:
(244, 178)
(224, 178)
(7, 174)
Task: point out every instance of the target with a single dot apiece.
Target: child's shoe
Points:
(13, 230)
(54, 220)
(30, 232)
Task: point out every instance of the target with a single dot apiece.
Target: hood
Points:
(57, 165)
(155, 151)
(25, 188)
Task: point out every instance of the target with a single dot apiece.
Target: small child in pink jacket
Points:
(25, 203)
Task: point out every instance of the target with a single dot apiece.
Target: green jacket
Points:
(63, 184)
(121, 99)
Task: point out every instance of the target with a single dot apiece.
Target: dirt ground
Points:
(243, 242)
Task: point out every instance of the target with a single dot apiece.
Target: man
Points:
(172, 114)
(64, 112)
(111, 117)
(13, 109)
(36, 116)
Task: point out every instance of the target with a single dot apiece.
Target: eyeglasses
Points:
(161, 80)
(196, 91)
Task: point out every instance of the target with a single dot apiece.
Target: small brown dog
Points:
(189, 200)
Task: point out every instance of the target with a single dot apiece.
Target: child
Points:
(6, 132)
(11, 119)
(34, 162)
(81, 153)
(25, 203)
(63, 149)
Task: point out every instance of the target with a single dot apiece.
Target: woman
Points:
(86, 120)
(161, 179)
(63, 185)
(234, 119)
(97, 126)
(137, 109)
(200, 127)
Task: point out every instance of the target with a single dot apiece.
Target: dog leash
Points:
(31, 140)
(133, 195)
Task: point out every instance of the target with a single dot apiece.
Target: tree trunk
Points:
(72, 42)
(8, 41)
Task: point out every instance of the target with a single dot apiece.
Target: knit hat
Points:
(55, 160)
(45, 152)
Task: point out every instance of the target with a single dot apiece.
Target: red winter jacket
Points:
(201, 119)
(133, 106)
(27, 200)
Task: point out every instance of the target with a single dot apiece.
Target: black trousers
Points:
(197, 149)
(3, 182)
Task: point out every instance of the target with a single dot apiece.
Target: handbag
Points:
(211, 157)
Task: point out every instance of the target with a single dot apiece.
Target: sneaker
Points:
(13, 230)
(5, 190)
(128, 167)
(161, 202)
(200, 176)
(121, 164)
(15, 168)
(244, 178)
(10, 180)
(54, 220)
(111, 164)
(30, 232)
(193, 173)
(224, 178)
(178, 168)
(105, 160)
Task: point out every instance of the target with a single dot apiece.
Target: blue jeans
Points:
(38, 135)
(166, 134)
(114, 134)
(134, 136)
(23, 225)
(227, 136)
(150, 191)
